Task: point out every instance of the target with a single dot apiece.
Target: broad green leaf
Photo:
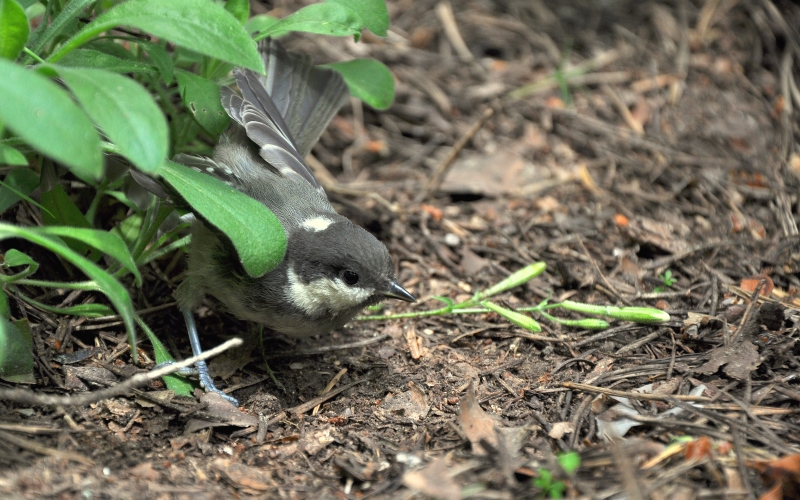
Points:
(5, 310)
(240, 9)
(125, 112)
(14, 29)
(201, 98)
(322, 18)
(115, 292)
(16, 352)
(62, 211)
(259, 23)
(108, 243)
(256, 234)
(111, 48)
(43, 115)
(11, 156)
(89, 58)
(64, 21)
(161, 59)
(15, 258)
(369, 80)
(85, 310)
(18, 183)
(373, 14)
(200, 25)
(175, 383)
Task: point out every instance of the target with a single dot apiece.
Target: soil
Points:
(647, 152)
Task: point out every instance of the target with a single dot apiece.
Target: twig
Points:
(441, 169)
(445, 13)
(29, 397)
(43, 450)
(632, 395)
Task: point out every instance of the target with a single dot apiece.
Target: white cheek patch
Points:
(324, 295)
(316, 224)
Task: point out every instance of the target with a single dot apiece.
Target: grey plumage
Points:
(275, 123)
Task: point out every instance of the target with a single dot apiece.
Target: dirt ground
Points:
(626, 140)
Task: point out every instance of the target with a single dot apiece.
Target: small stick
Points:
(631, 394)
(29, 397)
(445, 13)
(441, 169)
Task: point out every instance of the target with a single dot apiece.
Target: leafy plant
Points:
(128, 84)
(551, 488)
(667, 280)
(478, 304)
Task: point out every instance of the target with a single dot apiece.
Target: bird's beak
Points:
(396, 291)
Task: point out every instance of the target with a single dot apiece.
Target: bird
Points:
(332, 268)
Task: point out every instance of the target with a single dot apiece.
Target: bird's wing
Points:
(285, 111)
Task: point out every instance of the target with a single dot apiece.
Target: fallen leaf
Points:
(560, 429)
(412, 404)
(146, 471)
(739, 360)
(476, 423)
(433, 481)
(782, 474)
(750, 284)
(243, 476)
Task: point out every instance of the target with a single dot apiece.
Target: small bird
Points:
(332, 268)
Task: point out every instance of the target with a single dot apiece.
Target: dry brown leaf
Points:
(433, 481)
(242, 476)
(783, 474)
(750, 284)
(739, 360)
(476, 423)
(411, 404)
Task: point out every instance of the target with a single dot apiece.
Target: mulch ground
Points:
(617, 142)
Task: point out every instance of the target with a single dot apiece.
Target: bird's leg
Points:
(202, 369)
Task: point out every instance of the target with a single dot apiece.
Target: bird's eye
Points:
(350, 277)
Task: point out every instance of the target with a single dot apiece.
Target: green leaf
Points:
(175, 383)
(259, 23)
(67, 18)
(240, 9)
(14, 29)
(369, 80)
(5, 310)
(373, 14)
(43, 115)
(519, 319)
(89, 58)
(108, 243)
(19, 183)
(569, 461)
(201, 97)
(16, 352)
(115, 292)
(255, 232)
(161, 60)
(322, 18)
(125, 112)
(11, 156)
(200, 25)
(84, 310)
(15, 258)
(62, 211)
